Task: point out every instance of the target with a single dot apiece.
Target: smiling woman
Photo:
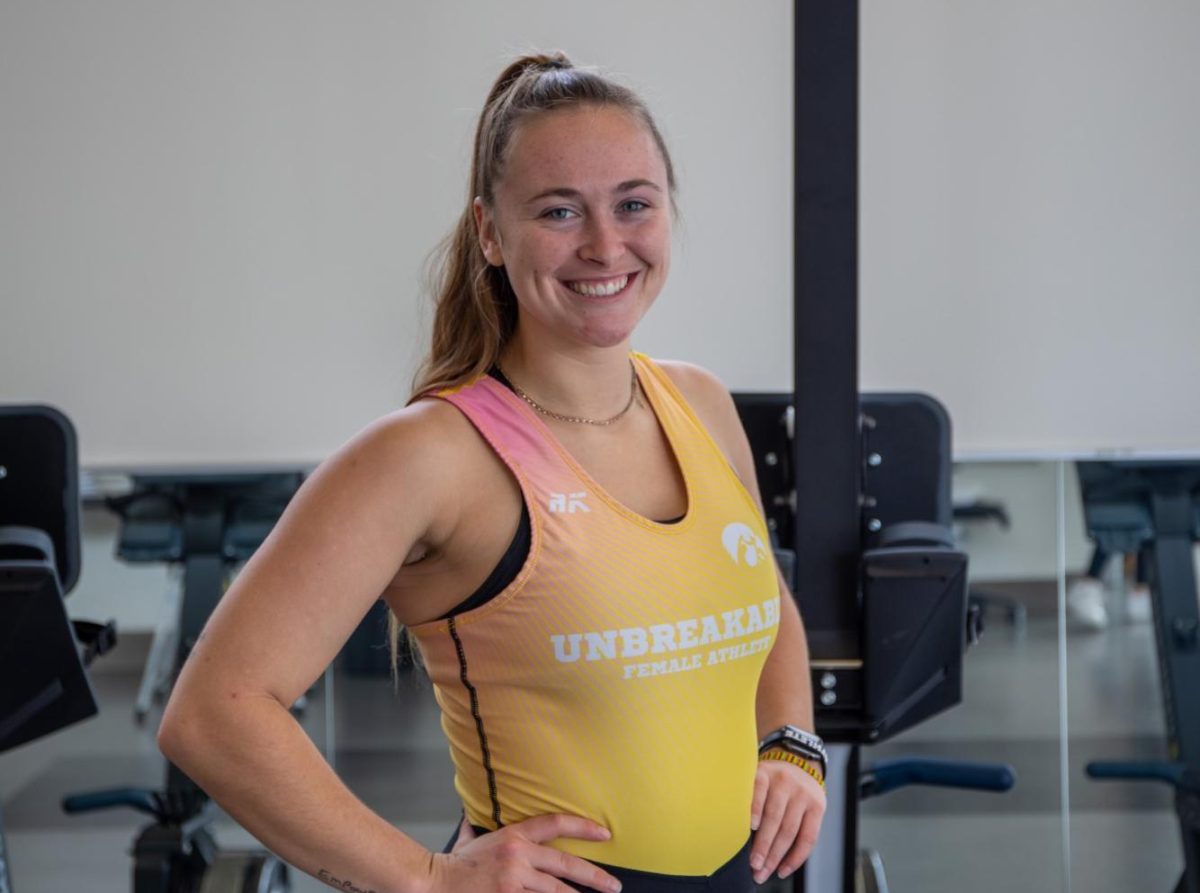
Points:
(476, 302)
(585, 261)
(572, 534)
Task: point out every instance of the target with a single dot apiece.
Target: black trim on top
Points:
(505, 571)
(483, 742)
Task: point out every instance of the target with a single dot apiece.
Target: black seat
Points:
(914, 578)
(45, 686)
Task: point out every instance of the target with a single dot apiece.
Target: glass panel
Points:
(1124, 835)
(942, 839)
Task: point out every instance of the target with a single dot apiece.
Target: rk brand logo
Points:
(743, 544)
(568, 503)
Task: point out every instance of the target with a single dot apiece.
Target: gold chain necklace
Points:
(579, 420)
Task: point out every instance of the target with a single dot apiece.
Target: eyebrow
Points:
(567, 192)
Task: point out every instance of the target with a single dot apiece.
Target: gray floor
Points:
(390, 751)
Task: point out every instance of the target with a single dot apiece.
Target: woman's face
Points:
(581, 222)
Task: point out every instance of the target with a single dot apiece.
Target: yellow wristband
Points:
(784, 756)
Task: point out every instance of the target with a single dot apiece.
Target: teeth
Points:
(599, 289)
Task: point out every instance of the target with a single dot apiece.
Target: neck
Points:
(594, 384)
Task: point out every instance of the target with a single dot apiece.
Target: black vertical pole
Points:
(826, 324)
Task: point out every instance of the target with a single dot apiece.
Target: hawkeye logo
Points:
(743, 545)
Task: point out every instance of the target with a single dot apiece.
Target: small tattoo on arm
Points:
(339, 884)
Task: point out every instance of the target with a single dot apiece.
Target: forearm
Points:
(256, 762)
(785, 687)
(789, 800)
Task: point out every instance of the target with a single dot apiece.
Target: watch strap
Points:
(797, 741)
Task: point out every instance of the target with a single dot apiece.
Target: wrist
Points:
(775, 754)
(426, 880)
(800, 743)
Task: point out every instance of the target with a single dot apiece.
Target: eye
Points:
(558, 214)
(633, 205)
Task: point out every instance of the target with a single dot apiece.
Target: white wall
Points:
(215, 215)
(1030, 205)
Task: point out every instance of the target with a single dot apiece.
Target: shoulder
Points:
(412, 460)
(714, 407)
(689, 377)
(421, 436)
(708, 397)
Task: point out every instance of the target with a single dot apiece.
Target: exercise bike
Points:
(1153, 506)
(207, 524)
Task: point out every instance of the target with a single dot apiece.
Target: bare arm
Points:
(342, 540)
(281, 623)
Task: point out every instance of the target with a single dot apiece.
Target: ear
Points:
(489, 236)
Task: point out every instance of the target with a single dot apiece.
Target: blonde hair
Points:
(475, 309)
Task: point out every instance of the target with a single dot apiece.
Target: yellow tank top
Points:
(615, 678)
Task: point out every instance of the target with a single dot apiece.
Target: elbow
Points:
(171, 733)
(180, 731)
(198, 725)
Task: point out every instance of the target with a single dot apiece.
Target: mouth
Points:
(601, 288)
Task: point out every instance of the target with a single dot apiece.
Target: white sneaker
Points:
(1137, 605)
(1085, 603)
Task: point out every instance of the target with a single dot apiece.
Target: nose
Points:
(602, 241)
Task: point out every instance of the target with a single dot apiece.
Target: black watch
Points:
(796, 741)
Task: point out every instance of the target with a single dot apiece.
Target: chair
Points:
(43, 655)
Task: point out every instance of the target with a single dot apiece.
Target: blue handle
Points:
(892, 774)
(140, 799)
(1139, 770)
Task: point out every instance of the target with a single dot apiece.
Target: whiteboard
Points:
(1030, 219)
(215, 217)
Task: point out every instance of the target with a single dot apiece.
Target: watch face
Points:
(799, 742)
(805, 738)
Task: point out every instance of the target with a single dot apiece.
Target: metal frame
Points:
(825, 347)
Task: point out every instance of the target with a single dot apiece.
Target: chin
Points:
(606, 337)
(610, 330)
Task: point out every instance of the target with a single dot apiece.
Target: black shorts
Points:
(734, 876)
